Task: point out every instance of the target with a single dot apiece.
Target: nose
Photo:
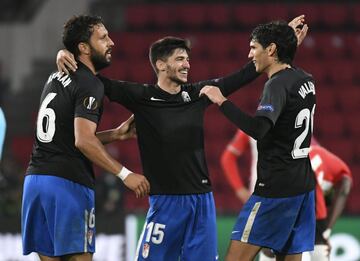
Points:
(111, 43)
(250, 55)
(187, 64)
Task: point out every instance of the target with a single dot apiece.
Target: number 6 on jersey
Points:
(45, 131)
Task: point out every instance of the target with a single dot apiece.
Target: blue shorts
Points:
(58, 216)
(285, 225)
(179, 227)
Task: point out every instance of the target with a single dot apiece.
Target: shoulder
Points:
(85, 79)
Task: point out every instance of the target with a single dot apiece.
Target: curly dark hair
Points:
(79, 29)
(279, 33)
(165, 47)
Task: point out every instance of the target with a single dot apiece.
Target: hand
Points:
(137, 183)
(213, 93)
(243, 194)
(127, 129)
(65, 60)
(299, 27)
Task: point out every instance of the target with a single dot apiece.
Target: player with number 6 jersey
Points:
(58, 206)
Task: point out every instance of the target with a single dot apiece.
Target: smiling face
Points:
(177, 66)
(101, 46)
(259, 56)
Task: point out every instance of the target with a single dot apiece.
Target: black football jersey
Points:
(64, 98)
(288, 101)
(170, 130)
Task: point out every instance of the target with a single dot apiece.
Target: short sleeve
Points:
(89, 95)
(272, 102)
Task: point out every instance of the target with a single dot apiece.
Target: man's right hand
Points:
(65, 61)
(137, 183)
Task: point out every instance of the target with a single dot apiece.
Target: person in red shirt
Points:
(334, 181)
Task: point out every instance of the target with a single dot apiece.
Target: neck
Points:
(88, 63)
(168, 85)
(276, 67)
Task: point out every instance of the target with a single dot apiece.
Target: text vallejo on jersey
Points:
(64, 79)
(306, 88)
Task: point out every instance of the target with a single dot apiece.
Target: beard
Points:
(173, 77)
(99, 60)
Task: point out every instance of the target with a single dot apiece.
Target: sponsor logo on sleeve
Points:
(265, 107)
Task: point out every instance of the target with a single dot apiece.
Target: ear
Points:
(160, 65)
(271, 49)
(84, 48)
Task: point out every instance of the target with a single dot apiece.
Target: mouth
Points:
(184, 72)
(108, 52)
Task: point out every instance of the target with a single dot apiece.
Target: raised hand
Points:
(65, 61)
(127, 129)
(300, 28)
(213, 93)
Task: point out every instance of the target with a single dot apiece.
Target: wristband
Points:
(124, 172)
(326, 233)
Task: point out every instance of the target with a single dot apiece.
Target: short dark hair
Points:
(165, 47)
(79, 29)
(279, 33)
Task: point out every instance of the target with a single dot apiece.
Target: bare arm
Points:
(125, 131)
(342, 191)
(93, 149)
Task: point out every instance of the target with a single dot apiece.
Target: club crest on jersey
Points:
(90, 235)
(90, 103)
(145, 250)
(185, 96)
(265, 107)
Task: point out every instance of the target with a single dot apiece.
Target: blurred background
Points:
(219, 31)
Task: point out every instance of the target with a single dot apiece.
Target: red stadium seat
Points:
(326, 101)
(162, 16)
(343, 147)
(21, 147)
(308, 49)
(354, 13)
(219, 46)
(330, 126)
(132, 45)
(190, 16)
(117, 70)
(240, 46)
(310, 10)
(353, 44)
(218, 15)
(341, 72)
(317, 70)
(331, 45)
(334, 15)
(353, 126)
(221, 68)
(141, 71)
(200, 70)
(248, 15)
(138, 16)
(275, 11)
(349, 98)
